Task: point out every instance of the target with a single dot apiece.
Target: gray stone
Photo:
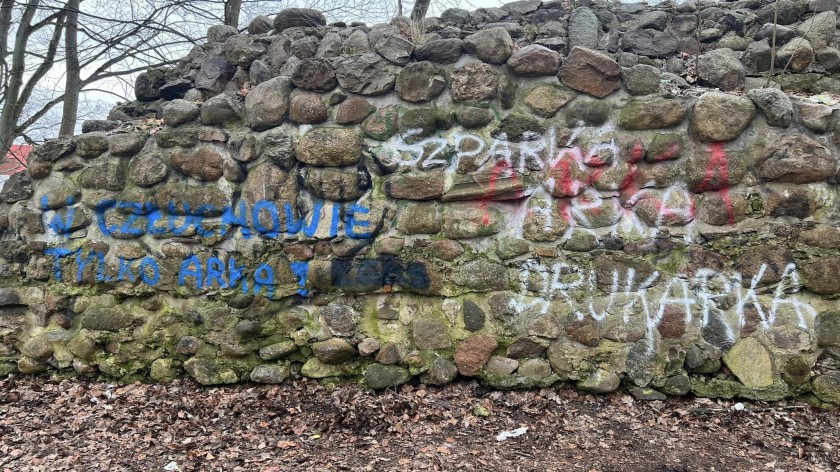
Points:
(259, 25)
(292, 17)
(304, 48)
(814, 116)
(368, 346)
(641, 79)
(330, 46)
(583, 28)
(721, 68)
(89, 126)
(827, 387)
(17, 187)
(367, 74)
(279, 51)
(649, 42)
(475, 81)
(104, 176)
(795, 159)
(657, 20)
(380, 377)
(209, 372)
(493, 45)
(720, 117)
(278, 148)
(340, 184)
(827, 328)
(758, 56)
(38, 348)
(148, 169)
(547, 99)
(220, 33)
(455, 16)
(334, 147)
(188, 345)
(600, 381)
(242, 50)
(51, 151)
(314, 74)
(356, 43)
(333, 350)
(277, 351)
(651, 113)
(775, 105)
(482, 275)
(499, 366)
(473, 117)
(269, 374)
(524, 348)
(420, 82)
(267, 104)
(829, 58)
(796, 55)
(473, 316)
(127, 144)
(442, 51)
(788, 12)
(214, 74)
(463, 221)
(184, 196)
(783, 34)
(91, 145)
(219, 110)
(819, 30)
(750, 362)
(147, 85)
(179, 112)
(106, 319)
(441, 372)
(56, 192)
(395, 48)
(419, 218)
(430, 333)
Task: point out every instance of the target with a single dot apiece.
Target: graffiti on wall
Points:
(597, 188)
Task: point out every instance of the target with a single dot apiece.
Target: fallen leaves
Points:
(301, 425)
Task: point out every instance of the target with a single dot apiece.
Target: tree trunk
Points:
(11, 107)
(73, 81)
(421, 7)
(232, 9)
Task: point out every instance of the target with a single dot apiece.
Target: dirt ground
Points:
(51, 425)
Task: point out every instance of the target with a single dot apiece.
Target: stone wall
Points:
(529, 195)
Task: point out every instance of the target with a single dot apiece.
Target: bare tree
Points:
(60, 51)
(73, 72)
(421, 7)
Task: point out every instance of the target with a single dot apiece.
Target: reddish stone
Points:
(590, 72)
(672, 324)
(585, 331)
(353, 111)
(472, 353)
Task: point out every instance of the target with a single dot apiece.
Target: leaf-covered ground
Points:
(48, 425)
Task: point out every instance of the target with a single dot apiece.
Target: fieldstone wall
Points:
(531, 195)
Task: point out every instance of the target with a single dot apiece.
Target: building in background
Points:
(14, 162)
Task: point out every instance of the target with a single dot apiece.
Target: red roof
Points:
(15, 160)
